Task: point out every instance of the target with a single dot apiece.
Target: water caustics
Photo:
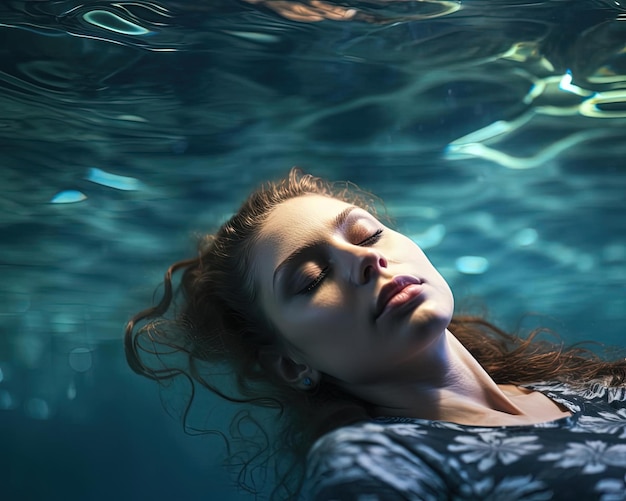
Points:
(494, 129)
(543, 99)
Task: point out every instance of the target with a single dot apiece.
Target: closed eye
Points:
(372, 239)
(316, 281)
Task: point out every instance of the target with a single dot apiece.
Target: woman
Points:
(342, 323)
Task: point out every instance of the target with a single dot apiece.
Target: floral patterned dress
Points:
(581, 457)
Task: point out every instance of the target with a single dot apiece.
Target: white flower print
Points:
(447, 425)
(399, 469)
(592, 455)
(607, 422)
(559, 391)
(353, 453)
(407, 430)
(612, 489)
(327, 458)
(509, 488)
(371, 427)
(490, 447)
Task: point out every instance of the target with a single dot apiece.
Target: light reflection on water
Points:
(494, 131)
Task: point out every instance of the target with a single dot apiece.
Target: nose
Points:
(367, 265)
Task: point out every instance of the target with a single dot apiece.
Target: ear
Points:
(293, 373)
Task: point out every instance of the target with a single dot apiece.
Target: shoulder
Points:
(381, 461)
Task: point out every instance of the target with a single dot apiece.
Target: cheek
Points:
(342, 358)
(402, 249)
(307, 323)
(408, 251)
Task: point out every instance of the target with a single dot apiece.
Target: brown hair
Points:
(219, 325)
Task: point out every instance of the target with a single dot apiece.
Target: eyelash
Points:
(309, 288)
(371, 240)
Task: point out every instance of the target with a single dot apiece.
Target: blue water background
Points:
(492, 129)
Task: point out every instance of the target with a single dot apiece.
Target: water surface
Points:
(494, 130)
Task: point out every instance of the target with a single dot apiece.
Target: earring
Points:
(307, 381)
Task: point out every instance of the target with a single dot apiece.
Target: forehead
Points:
(288, 226)
(298, 218)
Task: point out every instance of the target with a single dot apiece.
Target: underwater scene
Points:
(494, 130)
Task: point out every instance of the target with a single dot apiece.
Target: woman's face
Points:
(352, 298)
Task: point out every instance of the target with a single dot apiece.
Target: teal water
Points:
(494, 130)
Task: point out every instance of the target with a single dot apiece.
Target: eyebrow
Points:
(337, 222)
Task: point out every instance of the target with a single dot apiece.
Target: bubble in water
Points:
(71, 391)
(115, 181)
(7, 402)
(525, 237)
(68, 197)
(37, 408)
(472, 265)
(80, 359)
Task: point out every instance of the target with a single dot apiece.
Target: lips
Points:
(397, 284)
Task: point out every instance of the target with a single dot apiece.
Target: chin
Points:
(433, 318)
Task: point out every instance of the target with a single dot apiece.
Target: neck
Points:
(450, 386)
